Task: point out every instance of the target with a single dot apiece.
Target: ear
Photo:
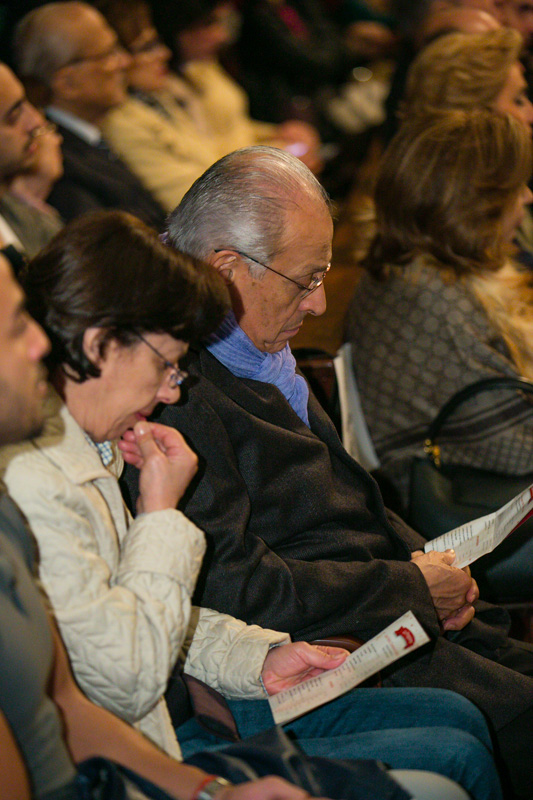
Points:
(64, 83)
(225, 262)
(93, 340)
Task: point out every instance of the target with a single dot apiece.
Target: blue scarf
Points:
(233, 348)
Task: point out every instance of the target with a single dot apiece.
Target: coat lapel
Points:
(262, 400)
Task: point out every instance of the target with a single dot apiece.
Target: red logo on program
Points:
(407, 635)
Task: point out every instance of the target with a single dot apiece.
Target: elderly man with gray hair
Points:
(298, 536)
(70, 61)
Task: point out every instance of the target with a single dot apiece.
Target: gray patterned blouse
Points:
(418, 340)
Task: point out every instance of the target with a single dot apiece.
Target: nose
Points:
(165, 53)
(528, 195)
(528, 112)
(33, 118)
(315, 303)
(39, 344)
(167, 394)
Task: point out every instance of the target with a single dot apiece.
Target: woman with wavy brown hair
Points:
(442, 304)
(469, 70)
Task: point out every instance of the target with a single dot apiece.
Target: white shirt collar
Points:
(85, 130)
(8, 235)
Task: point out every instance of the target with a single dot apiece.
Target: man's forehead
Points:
(6, 275)
(11, 91)
(305, 200)
(11, 294)
(311, 239)
(84, 28)
(91, 25)
(97, 33)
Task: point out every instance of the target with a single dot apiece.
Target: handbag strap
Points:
(461, 397)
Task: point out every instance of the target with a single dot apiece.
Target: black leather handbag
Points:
(271, 752)
(444, 496)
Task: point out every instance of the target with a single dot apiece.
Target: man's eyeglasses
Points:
(111, 53)
(315, 282)
(42, 130)
(177, 375)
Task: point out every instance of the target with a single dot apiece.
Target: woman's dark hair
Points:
(171, 17)
(445, 184)
(108, 270)
(128, 18)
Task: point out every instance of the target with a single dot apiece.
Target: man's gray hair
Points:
(239, 203)
(42, 44)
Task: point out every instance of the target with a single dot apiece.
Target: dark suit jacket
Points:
(92, 180)
(299, 539)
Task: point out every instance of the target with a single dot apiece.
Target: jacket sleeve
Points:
(228, 654)
(122, 608)
(413, 540)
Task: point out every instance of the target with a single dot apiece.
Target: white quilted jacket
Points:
(120, 588)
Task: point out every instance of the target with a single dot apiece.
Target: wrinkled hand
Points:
(293, 663)
(465, 614)
(270, 788)
(166, 463)
(453, 590)
(457, 621)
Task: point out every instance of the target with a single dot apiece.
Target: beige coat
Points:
(120, 588)
(169, 149)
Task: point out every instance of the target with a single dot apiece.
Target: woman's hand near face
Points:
(166, 463)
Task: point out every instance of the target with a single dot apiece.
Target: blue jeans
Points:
(425, 729)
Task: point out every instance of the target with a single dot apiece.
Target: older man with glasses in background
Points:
(70, 58)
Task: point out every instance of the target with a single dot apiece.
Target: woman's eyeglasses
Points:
(177, 375)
